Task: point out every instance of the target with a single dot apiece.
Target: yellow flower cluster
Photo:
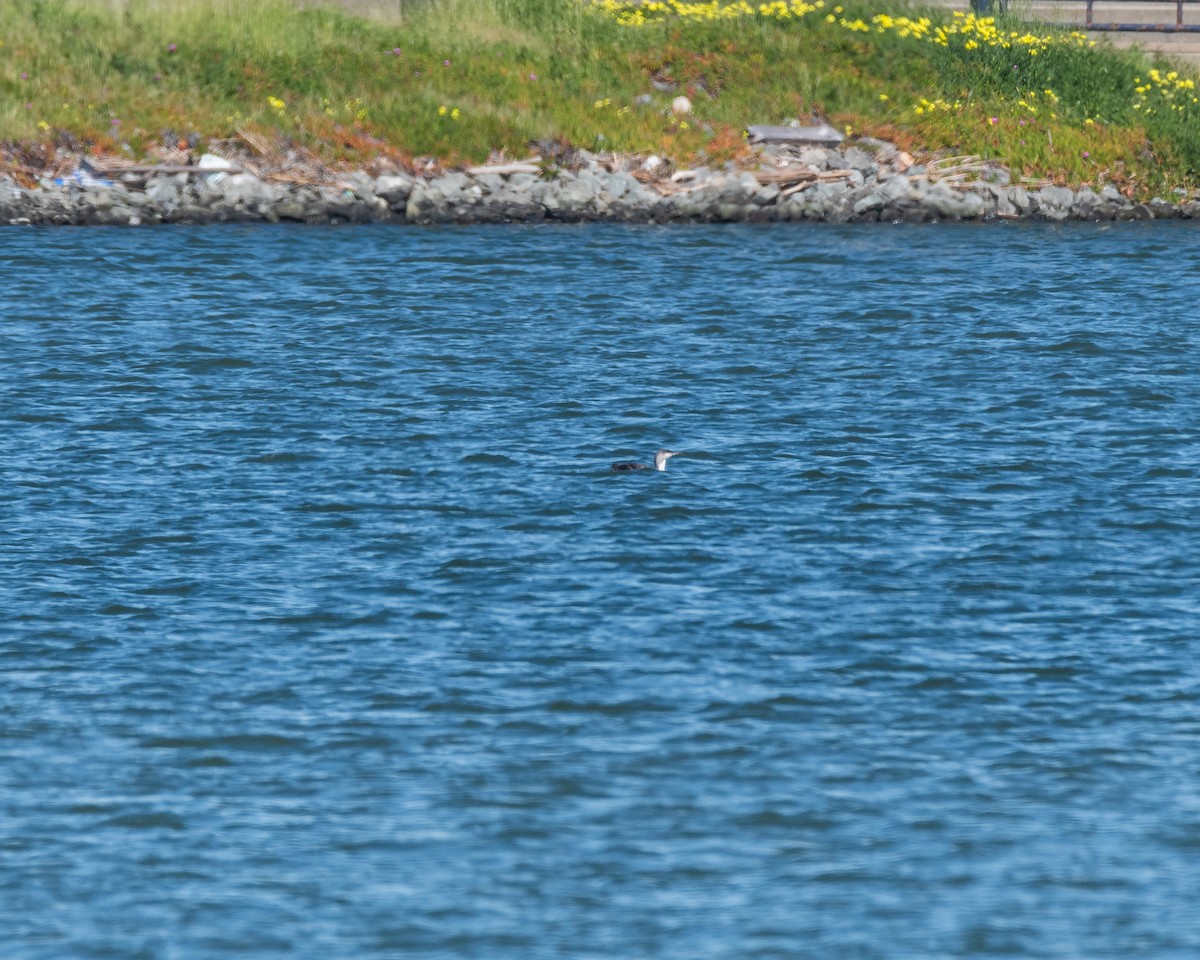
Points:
(902, 26)
(352, 108)
(1033, 101)
(633, 14)
(971, 32)
(606, 103)
(936, 106)
(1164, 92)
(965, 30)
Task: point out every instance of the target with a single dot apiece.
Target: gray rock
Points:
(860, 161)
(1137, 211)
(291, 208)
(748, 187)
(451, 183)
(997, 174)
(731, 212)
(576, 199)
(1162, 209)
(164, 192)
(522, 182)
(340, 207)
(489, 182)
(363, 184)
(766, 195)
(1088, 206)
(816, 157)
(873, 201)
(950, 204)
(101, 199)
(829, 202)
(117, 215)
(394, 190)
(897, 190)
(1054, 203)
(899, 200)
(906, 210)
(247, 191)
(516, 206)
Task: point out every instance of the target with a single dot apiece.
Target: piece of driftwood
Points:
(151, 168)
(672, 189)
(648, 176)
(967, 159)
(825, 176)
(260, 146)
(296, 177)
(785, 175)
(503, 169)
(821, 134)
(797, 188)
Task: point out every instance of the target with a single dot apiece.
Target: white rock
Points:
(211, 161)
(681, 106)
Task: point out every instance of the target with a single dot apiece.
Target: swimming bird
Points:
(660, 462)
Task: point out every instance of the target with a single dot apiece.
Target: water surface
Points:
(328, 634)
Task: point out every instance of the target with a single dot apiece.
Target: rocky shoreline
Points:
(869, 181)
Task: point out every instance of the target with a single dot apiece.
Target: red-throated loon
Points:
(660, 461)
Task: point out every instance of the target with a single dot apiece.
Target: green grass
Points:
(456, 79)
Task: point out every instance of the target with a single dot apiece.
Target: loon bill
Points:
(660, 462)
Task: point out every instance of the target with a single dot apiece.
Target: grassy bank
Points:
(455, 79)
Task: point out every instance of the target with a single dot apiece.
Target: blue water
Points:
(327, 633)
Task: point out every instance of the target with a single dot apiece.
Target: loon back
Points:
(660, 462)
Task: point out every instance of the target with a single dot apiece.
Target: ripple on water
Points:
(328, 631)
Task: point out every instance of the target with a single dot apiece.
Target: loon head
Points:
(661, 458)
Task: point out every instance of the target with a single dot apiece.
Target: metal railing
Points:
(1000, 7)
(1177, 27)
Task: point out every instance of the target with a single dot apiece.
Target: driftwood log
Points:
(504, 169)
(149, 168)
(821, 134)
